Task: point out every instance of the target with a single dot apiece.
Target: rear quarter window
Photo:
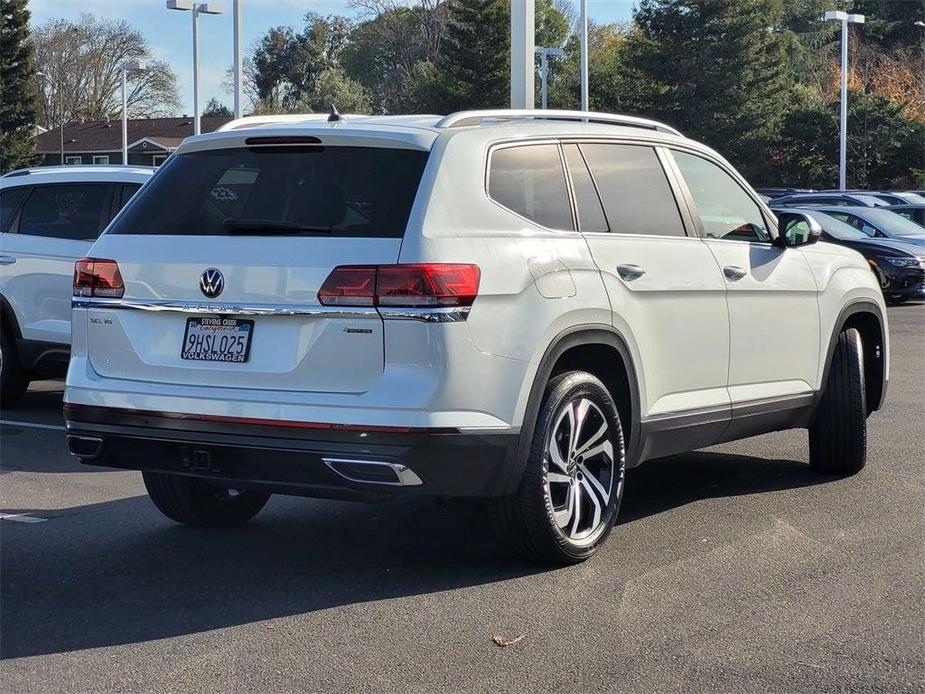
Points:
(336, 190)
(530, 180)
(10, 200)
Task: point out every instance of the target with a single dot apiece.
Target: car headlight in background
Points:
(907, 262)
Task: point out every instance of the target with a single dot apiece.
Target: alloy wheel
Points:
(581, 477)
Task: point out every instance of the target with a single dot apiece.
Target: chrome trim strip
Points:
(405, 475)
(441, 314)
(451, 314)
(218, 308)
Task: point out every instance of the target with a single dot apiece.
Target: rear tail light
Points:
(417, 285)
(96, 277)
(349, 285)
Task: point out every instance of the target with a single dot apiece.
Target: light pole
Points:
(130, 65)
(584, 55)
(238, 74)
(196, 8)
(523, 58)
(845, 19)
(921, 25)
(57, 94)
(544, 54)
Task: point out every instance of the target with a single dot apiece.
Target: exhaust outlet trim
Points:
(85, 447)
(353, 470)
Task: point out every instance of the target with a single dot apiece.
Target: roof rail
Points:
(462, 119)
(260, 121)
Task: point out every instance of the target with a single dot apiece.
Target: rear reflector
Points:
(98, 277)
(410, 285)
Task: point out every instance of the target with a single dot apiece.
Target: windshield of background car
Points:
(341, 191)
(892, 223)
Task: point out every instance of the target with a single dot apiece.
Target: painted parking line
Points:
(33, 425)
(21, 518)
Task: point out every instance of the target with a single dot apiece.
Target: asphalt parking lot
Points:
(733, 569)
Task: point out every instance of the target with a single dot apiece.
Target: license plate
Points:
(217, 339)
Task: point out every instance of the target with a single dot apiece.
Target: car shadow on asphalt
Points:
(117, 572)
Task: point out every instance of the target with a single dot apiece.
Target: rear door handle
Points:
(734, 272)
(7, 260)
(630, 272)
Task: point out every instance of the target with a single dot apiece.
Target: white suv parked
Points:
(509, 305)
(49, 217)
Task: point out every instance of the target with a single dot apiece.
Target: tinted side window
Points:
(634, 189)
(10, 200)
(590, 212)
(529, 180)
(725, 208)
(64, 211)
(128, 190)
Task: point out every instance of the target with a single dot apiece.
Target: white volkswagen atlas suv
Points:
(49, 217)
(512, 305)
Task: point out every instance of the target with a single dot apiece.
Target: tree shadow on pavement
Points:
(117, 572)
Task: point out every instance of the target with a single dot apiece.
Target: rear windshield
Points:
(340, 191)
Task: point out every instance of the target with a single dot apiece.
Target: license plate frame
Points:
(219, 326)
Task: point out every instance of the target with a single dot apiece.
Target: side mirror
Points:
(796, 229)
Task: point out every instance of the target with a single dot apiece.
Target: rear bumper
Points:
(305, 460)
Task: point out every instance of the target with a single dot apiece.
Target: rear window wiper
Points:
(270, 226)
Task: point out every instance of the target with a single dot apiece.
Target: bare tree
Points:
(414, 40)
(81, 65)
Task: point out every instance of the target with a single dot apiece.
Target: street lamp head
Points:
(919, 24)
(131, 65)
(200, 7)
(835, 16)
(855, 19)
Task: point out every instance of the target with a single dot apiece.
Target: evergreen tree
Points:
(892, 23)
(712, 68)
(473, 69)
(17, 90)
(214, 107)
(884, 145)
(474, 63)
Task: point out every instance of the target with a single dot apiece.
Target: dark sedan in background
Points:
(898, 265)
(878, 223)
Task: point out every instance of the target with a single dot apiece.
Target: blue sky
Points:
(170, 33)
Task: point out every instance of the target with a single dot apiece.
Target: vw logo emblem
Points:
(211, 283)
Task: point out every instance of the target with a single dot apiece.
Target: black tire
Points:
(838, 432)
(528, 520)
(193, 501)
(14, 380)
